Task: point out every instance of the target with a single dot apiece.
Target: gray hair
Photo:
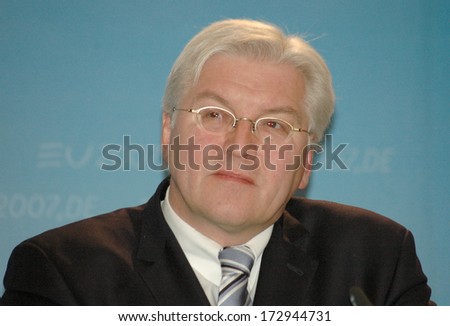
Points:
(259, 40)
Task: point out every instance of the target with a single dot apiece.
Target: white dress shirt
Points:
(203, 252)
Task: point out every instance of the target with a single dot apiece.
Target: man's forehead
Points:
(211, 86)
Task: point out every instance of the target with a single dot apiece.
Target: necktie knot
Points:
(236, 263)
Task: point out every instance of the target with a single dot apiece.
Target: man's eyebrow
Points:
(213, 96)
(275, 110)
(286, 110)
(282, 109)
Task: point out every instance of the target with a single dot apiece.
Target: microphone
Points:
(358, 297)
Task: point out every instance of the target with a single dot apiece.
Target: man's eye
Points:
(214, 115)
(273, 124)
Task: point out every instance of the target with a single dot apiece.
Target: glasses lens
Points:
(215, 119)
(276, 129)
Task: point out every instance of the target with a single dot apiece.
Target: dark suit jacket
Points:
(317, 251)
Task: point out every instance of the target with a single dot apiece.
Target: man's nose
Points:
(242, 133)
(241, 141)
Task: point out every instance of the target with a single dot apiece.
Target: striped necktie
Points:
(236, 263)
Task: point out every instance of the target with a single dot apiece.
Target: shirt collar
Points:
(201, 251)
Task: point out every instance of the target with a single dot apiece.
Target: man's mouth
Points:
(235, 177)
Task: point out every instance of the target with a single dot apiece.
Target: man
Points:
(243, 103)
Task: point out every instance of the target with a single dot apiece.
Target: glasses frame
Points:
(236, 120)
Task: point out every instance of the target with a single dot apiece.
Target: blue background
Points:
(77, 75)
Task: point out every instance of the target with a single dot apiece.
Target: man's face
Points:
(227, 186)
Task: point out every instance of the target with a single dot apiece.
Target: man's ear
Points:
(308, 161)
(165, 135)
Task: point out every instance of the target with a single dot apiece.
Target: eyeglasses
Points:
(219, 120)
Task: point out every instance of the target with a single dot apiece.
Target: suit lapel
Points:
(286, 270)
(162, 263)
